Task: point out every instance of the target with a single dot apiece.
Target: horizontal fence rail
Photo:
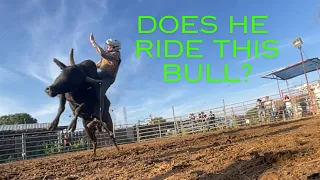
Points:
(20, 146)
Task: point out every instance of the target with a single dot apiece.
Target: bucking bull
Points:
(78, 84)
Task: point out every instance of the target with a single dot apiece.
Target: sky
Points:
(34, 32)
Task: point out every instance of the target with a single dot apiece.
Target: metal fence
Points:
(39, 144)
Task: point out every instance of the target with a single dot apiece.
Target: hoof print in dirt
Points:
(72, 177)
(181, 166)
(215, 144)
(229, 141)
(314, 176)
(196, 174)
(254, 154)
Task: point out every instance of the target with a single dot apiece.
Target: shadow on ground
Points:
(314, 176)
(223, 144)
(253, 168)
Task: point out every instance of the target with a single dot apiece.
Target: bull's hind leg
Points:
(73, 123)
(108, 125)
(91, 133)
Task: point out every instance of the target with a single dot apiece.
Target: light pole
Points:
(297, 43)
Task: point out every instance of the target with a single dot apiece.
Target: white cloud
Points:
(258, 74)
(10, 106)
(156, 106)
(311, 39)
(32, 73)
(130, 67)
(60, 39)
(53, 35)
(4, 74)
(135, 62)
(283, 46)
(45, 110)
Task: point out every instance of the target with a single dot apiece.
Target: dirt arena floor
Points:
(286, 150)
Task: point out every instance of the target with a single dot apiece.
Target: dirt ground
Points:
(286, 150)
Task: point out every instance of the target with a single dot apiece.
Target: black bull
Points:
(79, 84)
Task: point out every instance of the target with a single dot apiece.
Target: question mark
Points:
(248, 71)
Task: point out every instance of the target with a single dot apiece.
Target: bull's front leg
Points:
(72, 126)
(62, 105)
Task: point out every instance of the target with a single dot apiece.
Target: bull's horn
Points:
(91, 80)
(71, 60)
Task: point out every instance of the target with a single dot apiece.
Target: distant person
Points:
(211, 116)
(260, 107)
(192, 117)
(269, 107)
(67, 142)
(199, 117)
(288, 105)
(203, 116)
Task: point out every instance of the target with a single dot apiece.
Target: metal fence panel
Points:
(38, 144)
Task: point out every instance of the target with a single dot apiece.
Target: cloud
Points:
(134, 62)
(129, 68)
(7, 104)
(257, 74)
(253, 93)
(52, 33)
(311, 39)
(65, 35)
(157, 106)
(34, 74)
(283, 46)
(46, 109)
(4, 74)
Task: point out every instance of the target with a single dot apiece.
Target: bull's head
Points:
(70, 78)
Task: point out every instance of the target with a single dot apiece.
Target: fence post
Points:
(174, 119)
(59, 134)
(245, 112)
(137, 130)
(159, 129)
(225, 114)
(181, 124)
(233, 117)
(24, 147)
(114, 130)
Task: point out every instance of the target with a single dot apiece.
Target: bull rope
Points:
(100, 114)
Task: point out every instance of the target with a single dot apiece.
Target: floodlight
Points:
(297, 43)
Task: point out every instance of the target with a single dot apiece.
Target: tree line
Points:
(17, 118)
(25, 118)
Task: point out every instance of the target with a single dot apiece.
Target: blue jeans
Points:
(271, 113)
(107, 81)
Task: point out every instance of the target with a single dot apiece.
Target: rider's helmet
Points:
(114, 43)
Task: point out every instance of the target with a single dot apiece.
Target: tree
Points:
(157, 120)
(18, 118)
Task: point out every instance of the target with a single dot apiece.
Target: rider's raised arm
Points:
(98, 48)
(113, 56)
